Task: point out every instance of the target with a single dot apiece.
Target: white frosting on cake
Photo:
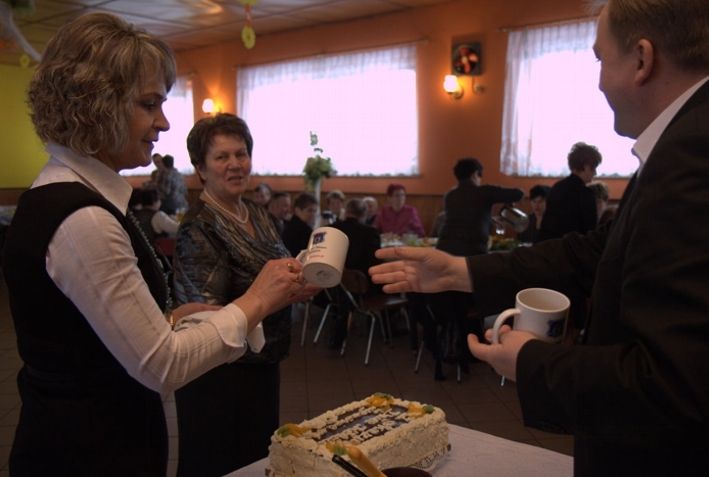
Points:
(392, 433)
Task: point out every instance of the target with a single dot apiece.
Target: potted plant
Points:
(317, 167)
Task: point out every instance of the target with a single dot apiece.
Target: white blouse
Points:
(91, 261)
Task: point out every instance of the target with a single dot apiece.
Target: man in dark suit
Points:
(364, 241)
(296, 231)
(636, 392)
(571, 206)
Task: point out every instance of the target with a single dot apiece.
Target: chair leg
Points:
(418, 357)
(369, 341)
(344, 341)
(322, 322)
(385, 325)
(306, 314)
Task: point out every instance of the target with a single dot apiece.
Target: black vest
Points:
(82, 414)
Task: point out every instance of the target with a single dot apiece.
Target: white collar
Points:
(94, 174)
(646, 141)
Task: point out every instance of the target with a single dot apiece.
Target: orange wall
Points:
(448, 129)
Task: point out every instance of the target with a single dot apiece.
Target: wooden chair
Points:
(376, 306)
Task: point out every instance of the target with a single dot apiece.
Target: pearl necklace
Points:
(240, 219)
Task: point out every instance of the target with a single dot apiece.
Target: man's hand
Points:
(416, 269)
(503, 356)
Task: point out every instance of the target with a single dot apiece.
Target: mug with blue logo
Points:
(324, 259)
(540, 311)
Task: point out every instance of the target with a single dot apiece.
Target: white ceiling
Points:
(187, 24)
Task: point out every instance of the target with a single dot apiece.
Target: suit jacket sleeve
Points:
(641, 380)
(567, 265)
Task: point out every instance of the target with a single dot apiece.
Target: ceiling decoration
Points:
(187, 24)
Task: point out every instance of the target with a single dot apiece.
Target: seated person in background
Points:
(154, 222)
(372, 208)
(600, 190)
(279, 210)
(571, 206)
(171, 186)
(397, 217)
(364, 241)
(335, 211)
(135, 198)
(438, 224)
(296, 232)
(537, 201)
(262, 194)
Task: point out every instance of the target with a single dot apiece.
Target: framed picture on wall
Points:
(466, 59)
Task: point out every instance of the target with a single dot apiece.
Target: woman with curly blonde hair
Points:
(86, 292)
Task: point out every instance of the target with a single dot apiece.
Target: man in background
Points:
(571, 206)
(171, 186)
(279, 209)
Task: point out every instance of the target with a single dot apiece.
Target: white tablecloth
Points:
(480, 454)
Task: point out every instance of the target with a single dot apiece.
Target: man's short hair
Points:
(466, 167)
(356, 208)
(677, 29)
(583, 154)
(336, 194)
(539, 190)
(168, 161)
(303, 200)
(278, 194)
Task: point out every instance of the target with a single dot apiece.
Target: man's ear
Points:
(198, 170)
(645, 57)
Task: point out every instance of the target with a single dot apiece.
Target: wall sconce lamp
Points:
(209, 106)
(452, 86)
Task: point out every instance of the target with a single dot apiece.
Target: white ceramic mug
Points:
(324, 259)
(540, 311)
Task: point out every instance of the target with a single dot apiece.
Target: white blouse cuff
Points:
(255, 338)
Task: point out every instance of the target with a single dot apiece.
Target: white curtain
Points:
(552, 101)
(362, 105)
(179, 110)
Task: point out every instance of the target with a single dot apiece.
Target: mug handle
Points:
(499, 321)
(302, 256)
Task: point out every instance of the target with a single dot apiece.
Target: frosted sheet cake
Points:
(392, 432)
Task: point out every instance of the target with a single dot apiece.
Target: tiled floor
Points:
(315, 378)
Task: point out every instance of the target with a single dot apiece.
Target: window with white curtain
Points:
(179, 110)
(552, 101)
(362, 106)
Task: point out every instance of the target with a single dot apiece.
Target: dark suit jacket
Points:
(296, 234)
(636, 395)
(364, 241)
(571, 207)
(466, 228)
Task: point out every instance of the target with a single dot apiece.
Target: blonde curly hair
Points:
(85, 87)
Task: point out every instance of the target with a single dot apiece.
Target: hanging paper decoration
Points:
(248, 35)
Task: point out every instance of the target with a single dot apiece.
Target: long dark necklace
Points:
(136, 223)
